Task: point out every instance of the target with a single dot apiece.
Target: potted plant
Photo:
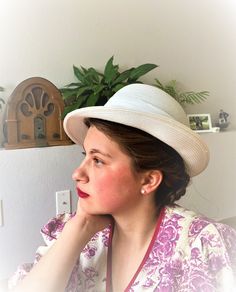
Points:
(95, 88)
(183, 97)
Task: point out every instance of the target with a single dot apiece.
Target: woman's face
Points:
(106, 182)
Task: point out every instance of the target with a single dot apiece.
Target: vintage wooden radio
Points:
(34, 116)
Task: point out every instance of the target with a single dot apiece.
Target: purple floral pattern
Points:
(189, 253)
(55, 226)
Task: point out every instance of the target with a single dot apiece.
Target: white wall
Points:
(29, 179)
(192, 41)
(212, 193)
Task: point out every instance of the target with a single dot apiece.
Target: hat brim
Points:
(186, 142)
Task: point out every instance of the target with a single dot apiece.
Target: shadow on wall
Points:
(231, 221)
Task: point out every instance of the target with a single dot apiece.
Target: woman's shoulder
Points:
(177, 215)
(198, 229)
(195, 221)
(203, 250)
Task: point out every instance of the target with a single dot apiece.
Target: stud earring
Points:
(143, 191)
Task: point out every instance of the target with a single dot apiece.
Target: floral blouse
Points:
(187, 252)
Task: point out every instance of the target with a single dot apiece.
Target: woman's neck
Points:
(136, 226)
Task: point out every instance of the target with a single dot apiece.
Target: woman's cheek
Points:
(114, 185)
(109, 191)
(110, 204)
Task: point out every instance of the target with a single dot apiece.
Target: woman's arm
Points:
(52, 272)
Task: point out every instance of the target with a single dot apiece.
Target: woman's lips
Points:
(82, 194)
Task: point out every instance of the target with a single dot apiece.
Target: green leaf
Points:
(195, 98)
(92, 100)
(159, 84)
(78, 73)
(74, 84)
(118, 87)
(84, 69)
(92, 75)
(169, 88)
(67, 92)
(191, 97)
(204, 94)
(141, 70)
(98, 88)
(82, 90)
(111, 71)
(123, 76)
(173, 84)
(74, 106)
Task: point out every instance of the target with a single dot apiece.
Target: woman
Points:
(128, 234)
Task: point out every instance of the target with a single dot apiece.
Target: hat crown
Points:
(148, 100)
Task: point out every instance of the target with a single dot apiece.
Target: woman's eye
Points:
(98, 161)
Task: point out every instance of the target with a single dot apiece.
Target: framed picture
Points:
(200, 122)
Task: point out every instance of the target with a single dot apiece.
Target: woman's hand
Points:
(88, 224)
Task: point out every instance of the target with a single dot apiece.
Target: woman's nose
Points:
(80, 174)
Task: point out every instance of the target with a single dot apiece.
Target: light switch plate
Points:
(63, 202)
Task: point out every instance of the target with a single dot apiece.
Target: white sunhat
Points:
(152, 110)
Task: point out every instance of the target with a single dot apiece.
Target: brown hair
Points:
(149, 153)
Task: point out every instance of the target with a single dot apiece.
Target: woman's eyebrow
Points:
(97, 151)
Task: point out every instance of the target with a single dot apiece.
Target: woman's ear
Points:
(151, 181)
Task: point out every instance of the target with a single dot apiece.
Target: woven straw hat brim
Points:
(186, 142)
